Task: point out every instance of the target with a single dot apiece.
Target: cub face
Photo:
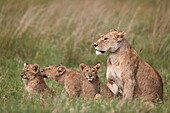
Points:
(29, 72)
(53, 72)
(109, 42)
(89, 71)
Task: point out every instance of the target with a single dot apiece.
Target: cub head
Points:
(109, 42)
(53, 71)
(30, 71)
(89, 71)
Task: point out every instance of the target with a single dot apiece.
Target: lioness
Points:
(126, 70)
(74, 83)
(90, 72)
(34, 82)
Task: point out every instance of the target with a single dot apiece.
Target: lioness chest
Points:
(114, 72)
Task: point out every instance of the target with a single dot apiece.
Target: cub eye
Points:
(105, 38)
(93, 70)
(49, 68)
(87, 70)
(59, 71)
(27, 70)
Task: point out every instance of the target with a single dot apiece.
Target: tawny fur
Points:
(91, 74)
(126, 70)
(34, 82)
(74, 83)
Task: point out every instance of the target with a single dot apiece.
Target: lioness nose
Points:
(95, 45)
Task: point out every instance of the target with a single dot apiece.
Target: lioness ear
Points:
(120, 36)
(36, 67)
(97, 66)
(82, 66)
(25, 64)
(61, 70)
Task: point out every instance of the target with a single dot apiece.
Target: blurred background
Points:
(48, 32)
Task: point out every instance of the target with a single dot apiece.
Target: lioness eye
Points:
(49, 68)
(27, 70)
(105, 38)
(93, 71)
(87, 70)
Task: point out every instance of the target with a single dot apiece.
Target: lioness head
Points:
(89, 71)
(109, 42)
(30, 71)
(53, 71)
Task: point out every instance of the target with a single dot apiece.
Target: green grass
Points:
(50, 32)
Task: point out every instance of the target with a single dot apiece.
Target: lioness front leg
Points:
(129, 81)
(113, 87)
(111, 82)
(128, 89)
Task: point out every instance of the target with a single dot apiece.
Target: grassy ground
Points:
(50, 32)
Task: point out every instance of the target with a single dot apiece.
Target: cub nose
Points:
(22, 75)
(95, 45)
(90, 76)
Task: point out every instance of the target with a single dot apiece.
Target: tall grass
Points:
(50, 32)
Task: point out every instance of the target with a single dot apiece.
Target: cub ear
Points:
(36, 68)
(114, 30)
(58, 65)
(61, 70)
(97, 67)
(82, 66)
(25, 64)
(121, 35)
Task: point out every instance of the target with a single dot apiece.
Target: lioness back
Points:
(149, 81)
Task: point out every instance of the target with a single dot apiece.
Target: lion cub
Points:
(74, 83)
(34, 82)
(90, 72)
